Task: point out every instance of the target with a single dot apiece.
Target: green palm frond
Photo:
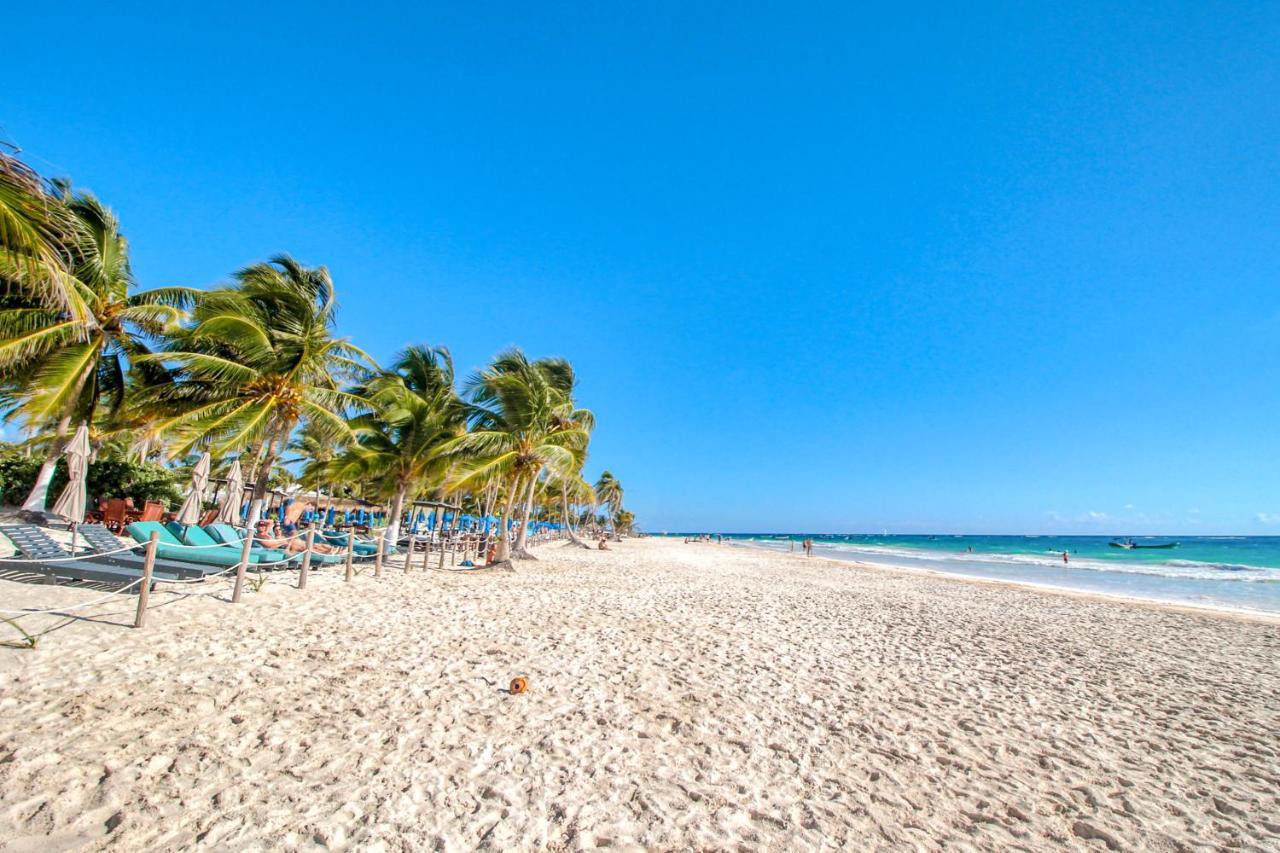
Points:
(203, 367)
(61, 378)
(182, 298)
(25, 346)
(154, 319)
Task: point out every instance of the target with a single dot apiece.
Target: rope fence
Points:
(291, 571)
(81, 606)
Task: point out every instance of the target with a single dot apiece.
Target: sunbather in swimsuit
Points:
(292, 546)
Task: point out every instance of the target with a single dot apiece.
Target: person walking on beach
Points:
(808, 547)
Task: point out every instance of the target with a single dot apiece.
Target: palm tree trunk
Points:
(39, 495)
(392, 534)
(264, 471)
(490, 497)
(503, 553)
(520, 552)
(271, 452)
(255, 454)
(568, 524)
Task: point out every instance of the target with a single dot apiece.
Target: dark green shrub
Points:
(119, 478)
(106, 478)
(17, 474)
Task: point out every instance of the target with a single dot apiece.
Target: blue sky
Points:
(950, 268)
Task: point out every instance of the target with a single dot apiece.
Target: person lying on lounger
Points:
(293, 546)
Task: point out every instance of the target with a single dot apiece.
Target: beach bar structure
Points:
(431, 515)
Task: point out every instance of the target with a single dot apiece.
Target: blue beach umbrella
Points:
(329, 516)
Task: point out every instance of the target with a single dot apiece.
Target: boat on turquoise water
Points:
(1129, 544)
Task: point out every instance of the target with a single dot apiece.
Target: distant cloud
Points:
(1094, 515)
(1268, 517)
(1128, 506)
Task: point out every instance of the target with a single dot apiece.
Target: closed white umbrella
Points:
(229, 510)
(191, 507)
(71, 502)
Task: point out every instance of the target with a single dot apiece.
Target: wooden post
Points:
(306, 559)
(351, 545)
(453, 553)
(442, 554)
(244, 564)
(144, 591)
(377, 559)
(408, 557)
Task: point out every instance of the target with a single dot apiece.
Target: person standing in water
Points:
(1064, 557)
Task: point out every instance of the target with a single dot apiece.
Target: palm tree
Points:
(401, 446)
(260, 358)
(316, 450)
(624, 521)
(523, 421)
(609, 493)
(567, 487)
(36, 230)
(58, 366)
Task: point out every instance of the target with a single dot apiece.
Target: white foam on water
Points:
(1180, 569)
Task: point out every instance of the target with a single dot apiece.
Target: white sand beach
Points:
(681, 697)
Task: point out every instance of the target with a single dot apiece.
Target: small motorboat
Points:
(1129, 544)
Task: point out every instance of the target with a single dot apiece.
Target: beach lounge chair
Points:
(170, 548)
(226, 533)
(360, 548)
(194, 535)
(44, 560)
(33, 542)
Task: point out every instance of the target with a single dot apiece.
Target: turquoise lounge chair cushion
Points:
(170, 548)
(142, 530)
(364, 549)
(228, 535)
(191, 534)
(224, 533)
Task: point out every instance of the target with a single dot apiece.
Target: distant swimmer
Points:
(1064, 557)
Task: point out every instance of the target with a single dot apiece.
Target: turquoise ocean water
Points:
(1241, 572)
